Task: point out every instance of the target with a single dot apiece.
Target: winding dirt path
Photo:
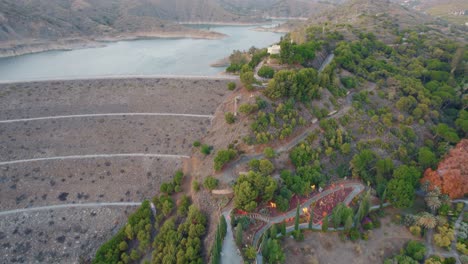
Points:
(103, 115)
(64, 206)
(102, 77)
(95, 156)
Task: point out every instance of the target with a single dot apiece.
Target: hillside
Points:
(279, 8)
(391, 104)
(455, 11)
(381, 18)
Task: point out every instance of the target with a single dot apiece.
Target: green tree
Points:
(416, 250)
(123, 246)
(129, 232)
(167, 188)
(462, 122)
(325, 224)
(400, 193)
(273, 252)
(210, 183)
(252, 186)
(239, 231)
(311, 218)
(408, 173)
(348, 223)
(266, 167)
(345, 148)
(223, 157)
(296, 220)
(230, 118)
(426, 158)
(195, 185)
(269, 153)
(247, 77)
(231, 86)
(384, 168)
(205, 149)
(134, 255)
(266, 72)
(250, 253)
(447, 133)
(363, 165)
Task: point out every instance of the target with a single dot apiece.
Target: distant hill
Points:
(381, 17)
(455, 11)
(279, 8)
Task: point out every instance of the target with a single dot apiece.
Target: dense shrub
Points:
(266, 72)
(210, 183)
(222, 157)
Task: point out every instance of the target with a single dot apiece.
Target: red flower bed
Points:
(324, 206)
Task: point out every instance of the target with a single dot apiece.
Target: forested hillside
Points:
(398, 90)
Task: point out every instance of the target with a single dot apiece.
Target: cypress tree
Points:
(223, 226)
(325, 224)
(283, 228)
(296, 222)
(239, 234)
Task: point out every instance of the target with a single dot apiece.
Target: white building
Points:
(275, 49)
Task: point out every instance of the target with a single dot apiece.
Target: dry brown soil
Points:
(37, 236)
(329, 248)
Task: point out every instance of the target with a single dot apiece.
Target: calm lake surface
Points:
(138, 57)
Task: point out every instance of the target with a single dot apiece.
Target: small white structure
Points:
(275, 49)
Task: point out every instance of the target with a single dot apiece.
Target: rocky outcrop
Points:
(451, 175)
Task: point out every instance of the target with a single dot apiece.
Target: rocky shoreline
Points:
(11, 49)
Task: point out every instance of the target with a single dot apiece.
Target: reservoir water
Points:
(182, 56)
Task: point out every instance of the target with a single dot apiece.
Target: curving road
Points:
(103, 115)
(103, 77)
(94, 156)
(65, 206)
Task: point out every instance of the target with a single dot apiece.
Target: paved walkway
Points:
(65, 206)
(103, 115)
(230, 252)
(95, 156)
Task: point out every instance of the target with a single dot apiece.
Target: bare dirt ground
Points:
(30, 237)
(83, 181)
(320, 247)
(57, 236)
(22, 100)
(135, 134)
